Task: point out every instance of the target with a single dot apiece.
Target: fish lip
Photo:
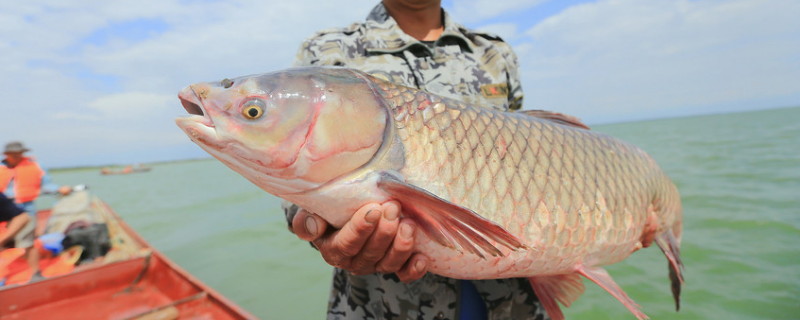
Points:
(199, 127)
(193, 104)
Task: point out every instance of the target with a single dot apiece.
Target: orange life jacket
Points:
(27, 177)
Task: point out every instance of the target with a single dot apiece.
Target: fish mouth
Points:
(193, 105)
(198, 124)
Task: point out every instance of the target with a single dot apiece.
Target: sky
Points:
(95, 82)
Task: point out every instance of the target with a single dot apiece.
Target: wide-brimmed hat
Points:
(15, 146)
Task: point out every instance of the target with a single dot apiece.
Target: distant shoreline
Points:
(691, 115)
(98, 167)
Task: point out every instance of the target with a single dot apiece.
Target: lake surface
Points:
(738, 174)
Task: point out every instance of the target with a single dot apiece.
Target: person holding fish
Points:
(494, 196)
(377, 275)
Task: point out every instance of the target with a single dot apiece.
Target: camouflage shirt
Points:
(462, 64)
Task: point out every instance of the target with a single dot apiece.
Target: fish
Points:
(533, 194)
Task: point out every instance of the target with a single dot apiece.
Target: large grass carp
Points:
(530, 194)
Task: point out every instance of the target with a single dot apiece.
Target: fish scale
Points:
(531, 194)
(552, 177)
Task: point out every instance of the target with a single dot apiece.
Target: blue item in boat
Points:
(52, 242)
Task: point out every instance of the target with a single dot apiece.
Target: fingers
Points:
(308, 226)
(400, 251)
(375, 239)
(415, 268)
(391, 209)
(379, 242)
(339, 247)
(401, 259)
(64, 190)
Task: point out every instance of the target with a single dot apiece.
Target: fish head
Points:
(288, 131)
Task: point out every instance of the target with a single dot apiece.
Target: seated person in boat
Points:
(20, 229)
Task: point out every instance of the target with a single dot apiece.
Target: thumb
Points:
(308, 226)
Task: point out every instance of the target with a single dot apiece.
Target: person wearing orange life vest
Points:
(23, 180)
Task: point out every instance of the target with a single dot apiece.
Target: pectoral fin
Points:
(447, 223)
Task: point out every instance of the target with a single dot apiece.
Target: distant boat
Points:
(132, 281)
(137, 168)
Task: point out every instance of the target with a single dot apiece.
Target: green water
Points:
(739, 177)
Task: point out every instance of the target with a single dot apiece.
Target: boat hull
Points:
(145, 286)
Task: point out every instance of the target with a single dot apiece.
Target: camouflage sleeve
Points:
(306, 54)
(514, 83)
(327, 47)
(289, 210)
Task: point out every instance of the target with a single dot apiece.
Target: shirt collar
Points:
(383, 35)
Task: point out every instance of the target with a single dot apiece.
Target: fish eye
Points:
(253, 109)
(226, 83)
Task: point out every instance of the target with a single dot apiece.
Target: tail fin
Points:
(669, 245)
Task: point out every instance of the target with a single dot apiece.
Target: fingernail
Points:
(311, 226)
(373, 216)
(391, 214)
(406, 231)
(420, 264)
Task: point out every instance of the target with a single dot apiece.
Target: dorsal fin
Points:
(556, 117)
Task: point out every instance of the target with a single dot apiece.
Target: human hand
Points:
(375, 239)
(64, 190)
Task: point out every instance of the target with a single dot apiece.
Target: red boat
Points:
(127, 170)
(132, 281)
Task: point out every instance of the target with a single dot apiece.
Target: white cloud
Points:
(69, 116)
(632, 59)
(131, 105)
(82, 102)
